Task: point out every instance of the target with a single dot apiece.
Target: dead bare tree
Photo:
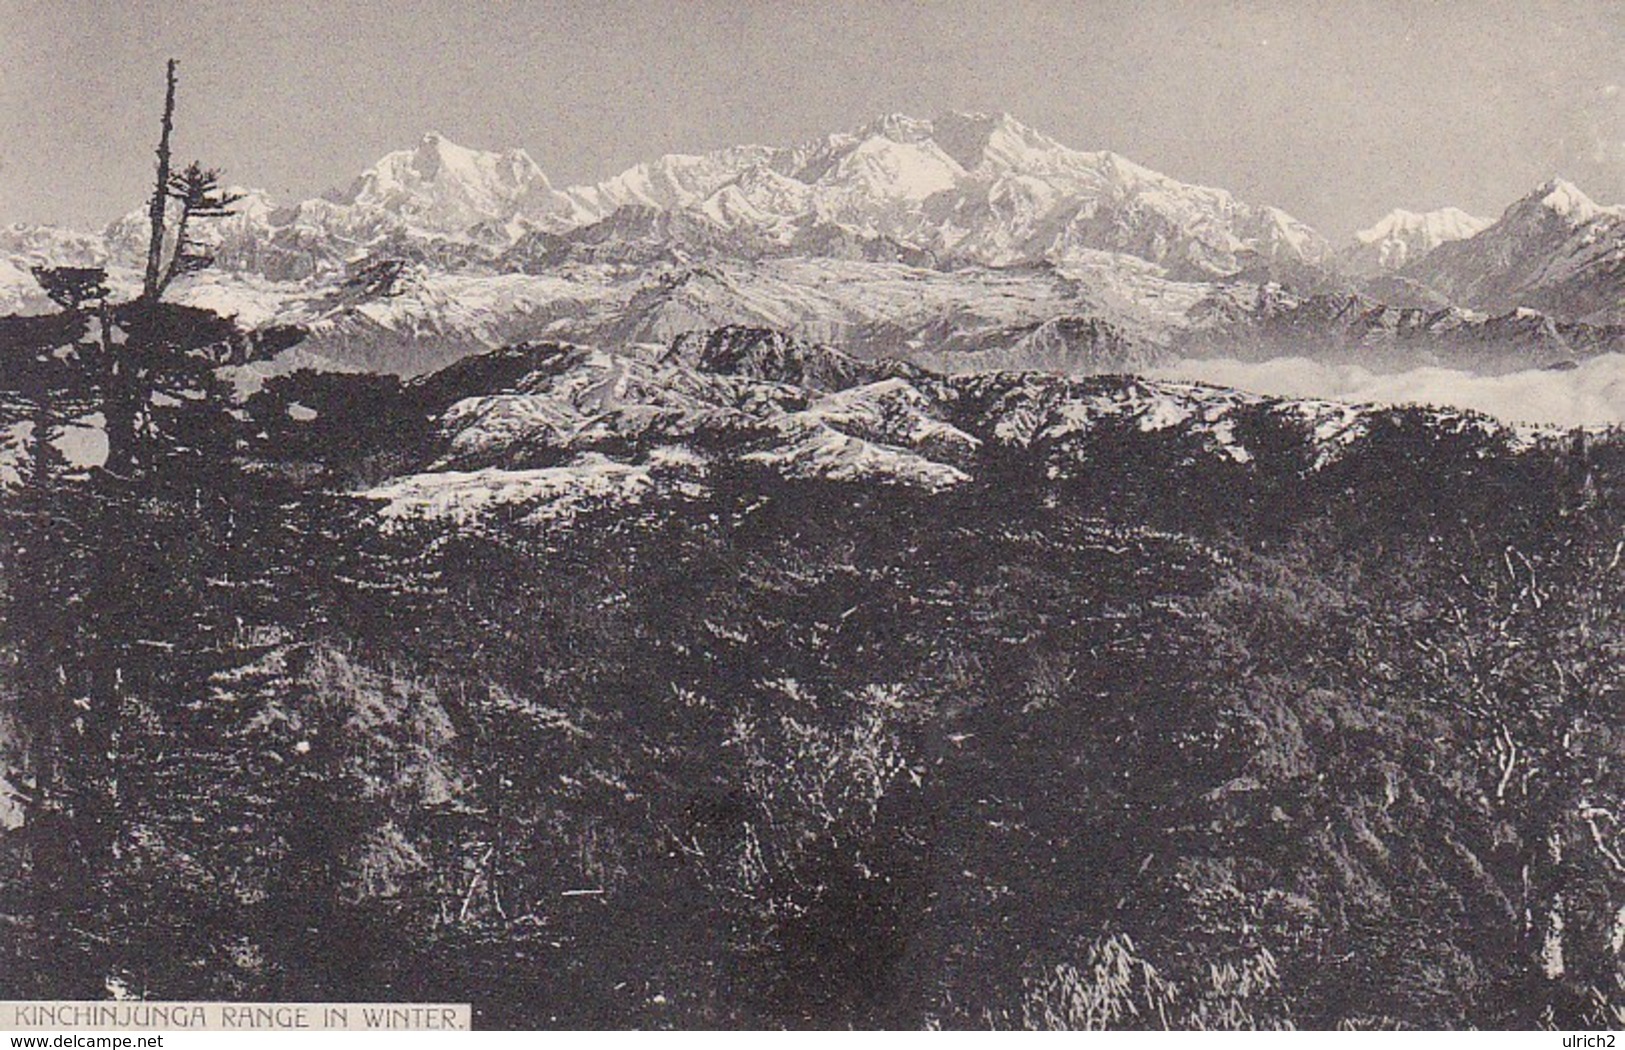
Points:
(160, 193)
(153, 343)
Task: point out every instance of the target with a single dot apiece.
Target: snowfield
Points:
(555, 495)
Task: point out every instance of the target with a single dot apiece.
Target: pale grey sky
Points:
(1335, 111)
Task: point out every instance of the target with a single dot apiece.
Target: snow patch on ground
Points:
(829, 454)
(891, 411)
(550, 495)
(82, 444)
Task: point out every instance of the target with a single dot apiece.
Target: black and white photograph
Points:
(777, 515)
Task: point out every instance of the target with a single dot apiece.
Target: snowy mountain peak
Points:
(1402, 237)
(885, 168)
(1564, 199)
(759, 195)
(1555, 250)
(995, 143)
(438, 159)
(442, 187)
(1444, 224)
(899, 127)
(676, 180)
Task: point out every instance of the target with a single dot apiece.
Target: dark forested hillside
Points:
(748, 686)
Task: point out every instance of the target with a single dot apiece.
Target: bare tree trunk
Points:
(174, 268)
(119, 399)
(160, 195)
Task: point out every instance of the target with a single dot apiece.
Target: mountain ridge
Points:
(1554, 249)
(970, 241)
(1020, 197)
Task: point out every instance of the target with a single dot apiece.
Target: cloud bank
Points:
(1591, 395)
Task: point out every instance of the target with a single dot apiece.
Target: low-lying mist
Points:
(1592, 394)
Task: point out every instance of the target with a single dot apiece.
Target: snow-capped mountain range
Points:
(972, 188)
(970, 242)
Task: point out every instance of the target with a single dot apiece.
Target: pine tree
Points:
(100, 569)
